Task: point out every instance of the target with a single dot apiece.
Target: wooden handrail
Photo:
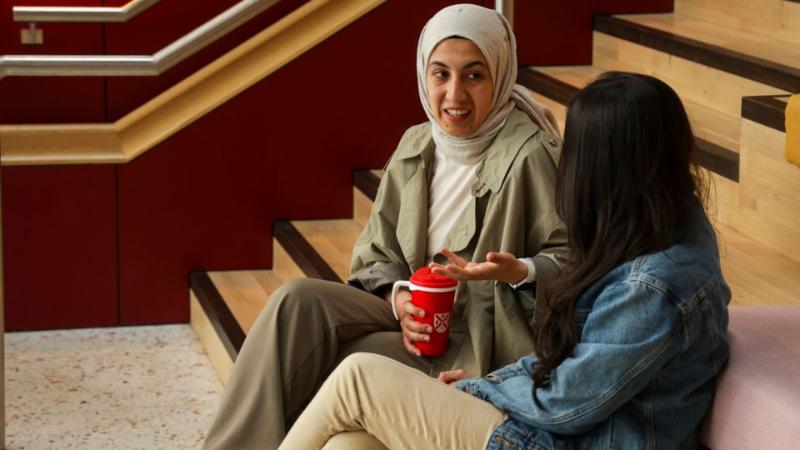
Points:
(132, 135)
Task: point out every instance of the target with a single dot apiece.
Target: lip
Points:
(456, 119)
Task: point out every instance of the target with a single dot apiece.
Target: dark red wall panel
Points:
(50, 100)
(59, 244)
(285, 148)
(560, 32)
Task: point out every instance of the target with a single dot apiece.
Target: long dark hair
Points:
(626, 187)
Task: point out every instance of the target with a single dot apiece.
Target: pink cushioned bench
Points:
(757, 403)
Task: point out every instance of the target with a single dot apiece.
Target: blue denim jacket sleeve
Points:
(631, 332)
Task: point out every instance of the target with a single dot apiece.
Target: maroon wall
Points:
(50, 100)
(560, 33)
(60, 247)
(104, 245)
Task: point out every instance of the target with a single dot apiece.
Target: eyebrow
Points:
(466, 66)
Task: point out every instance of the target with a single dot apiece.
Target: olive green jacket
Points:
(512, 210)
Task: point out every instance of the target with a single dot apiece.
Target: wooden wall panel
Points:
(59, 243)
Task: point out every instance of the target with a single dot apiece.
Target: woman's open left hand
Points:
(500, 266)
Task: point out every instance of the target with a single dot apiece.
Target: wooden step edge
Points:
(768, 110)
(551, 87)
(737, 63)
(225, 325)
(303, 254)
(367, 182)
(713, 157)
(718, 159)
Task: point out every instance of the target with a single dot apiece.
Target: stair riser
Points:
(769, 204)
(773, 18)
(764, 204)
(210, 339)
(716, 89)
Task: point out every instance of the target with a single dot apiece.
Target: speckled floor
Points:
(113, 388)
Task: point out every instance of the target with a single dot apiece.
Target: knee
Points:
(364, 363)
(297, 295)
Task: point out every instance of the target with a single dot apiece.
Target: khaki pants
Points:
(307, 327)
(400, 406)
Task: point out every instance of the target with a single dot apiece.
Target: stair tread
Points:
(757, 275)
(782, 52)
(780, 19)
(246, 292)
(333, 240)
(707, 123)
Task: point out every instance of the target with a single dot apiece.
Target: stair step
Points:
(766, 110)
(759, 58)
(717, 135)
(772, 18)
(757, 275)
(333, 241)
(694, 77)
(302, 252)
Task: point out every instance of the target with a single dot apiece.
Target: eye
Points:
(440, 74)
(476, 76)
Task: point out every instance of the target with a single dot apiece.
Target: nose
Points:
(456, 91)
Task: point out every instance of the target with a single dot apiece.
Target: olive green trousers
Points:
(307, 327)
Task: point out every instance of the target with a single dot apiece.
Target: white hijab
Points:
(493, 35)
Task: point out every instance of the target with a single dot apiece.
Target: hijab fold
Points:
(492, 34)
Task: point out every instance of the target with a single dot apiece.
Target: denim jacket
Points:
(652, 336)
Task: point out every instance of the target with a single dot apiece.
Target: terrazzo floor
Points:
(112, 388)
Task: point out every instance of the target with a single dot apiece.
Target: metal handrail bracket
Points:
(135, 65)
(38, 14)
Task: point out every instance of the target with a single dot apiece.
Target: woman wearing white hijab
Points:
(477, 178)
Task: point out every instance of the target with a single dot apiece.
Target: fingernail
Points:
(427, 338)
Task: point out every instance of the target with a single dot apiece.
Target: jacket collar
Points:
(499, 157)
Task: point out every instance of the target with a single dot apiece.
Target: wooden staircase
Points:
(734, 77)
(733, 72)
(225, 304)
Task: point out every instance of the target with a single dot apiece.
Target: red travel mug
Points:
(435, 294)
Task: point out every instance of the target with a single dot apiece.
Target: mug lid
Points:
(424, 277)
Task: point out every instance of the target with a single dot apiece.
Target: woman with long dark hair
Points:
(632, 333)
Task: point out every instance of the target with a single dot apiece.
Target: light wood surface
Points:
(246, 291)
(54, 144)
(559, 110)
(769, 203)
(362, 206)
(190, 99)
(707, 123)
(333, 240)
(764, 47)
(774, 18)
(712, 88)
(211, 342)
(757, 275)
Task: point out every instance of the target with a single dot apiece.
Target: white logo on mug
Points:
(441, 321)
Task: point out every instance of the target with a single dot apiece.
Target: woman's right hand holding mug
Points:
(412, 330)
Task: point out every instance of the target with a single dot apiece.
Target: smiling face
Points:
(459, 86)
